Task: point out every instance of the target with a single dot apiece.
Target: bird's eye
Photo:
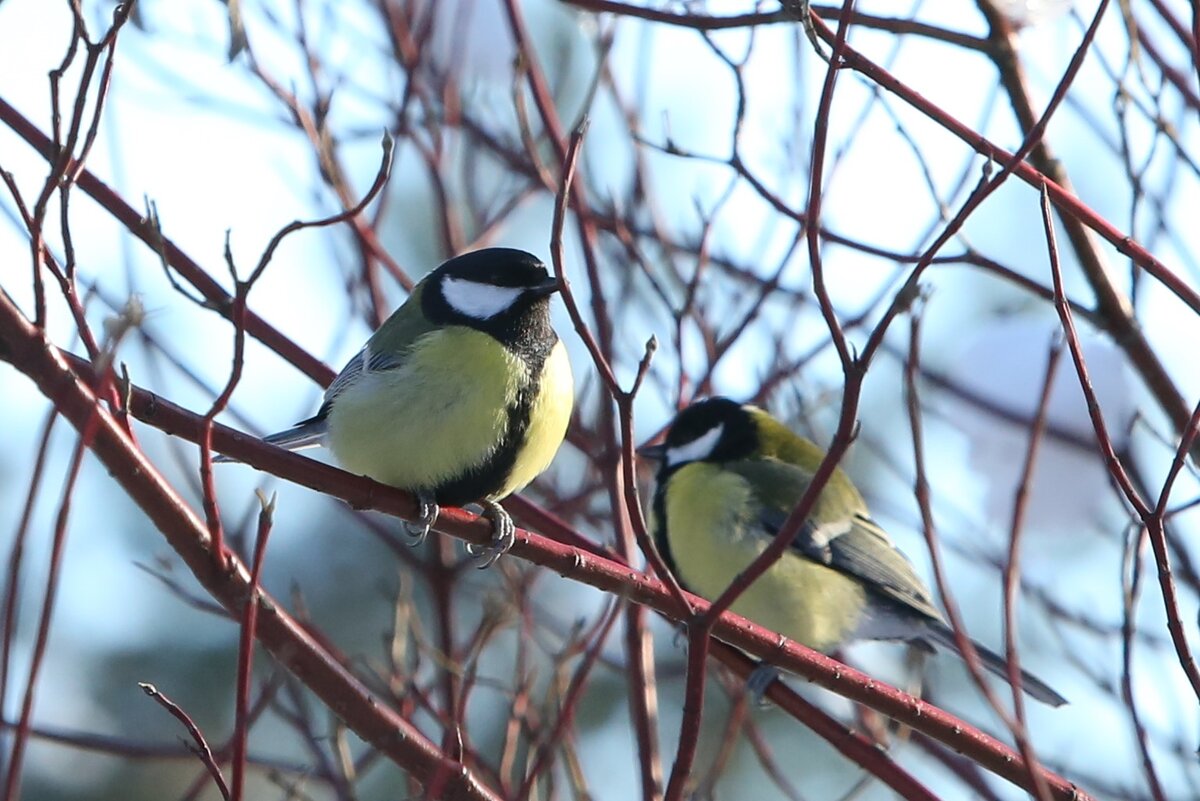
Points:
(478, 300)
(699, 448)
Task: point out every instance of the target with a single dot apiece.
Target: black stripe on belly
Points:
(661, 542)
(489, 477)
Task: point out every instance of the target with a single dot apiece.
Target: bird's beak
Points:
(547, 287)
(653, 453)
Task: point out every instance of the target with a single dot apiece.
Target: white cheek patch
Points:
(477, 300)
(696, 449)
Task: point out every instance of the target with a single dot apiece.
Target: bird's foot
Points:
(802, 10)
(759, 681)
(418, 529)
(504, 536)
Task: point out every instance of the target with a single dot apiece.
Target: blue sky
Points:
(201, 140)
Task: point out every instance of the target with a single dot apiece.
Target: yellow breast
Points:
(713, 534)
(426, 422)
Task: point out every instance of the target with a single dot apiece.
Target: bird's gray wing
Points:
(362, 363)
(866, 551)
(312, 432)
(387, 349)
(848, 541)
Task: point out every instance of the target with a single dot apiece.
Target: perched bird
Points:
(728, 478)
(462, 395)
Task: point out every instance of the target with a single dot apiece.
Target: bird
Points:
(463, 395)
(729, 475)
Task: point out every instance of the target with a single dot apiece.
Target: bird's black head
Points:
(501, 291)
(712, 430)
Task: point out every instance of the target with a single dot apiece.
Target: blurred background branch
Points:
(768, 217)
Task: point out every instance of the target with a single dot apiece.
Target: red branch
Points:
(295, 648)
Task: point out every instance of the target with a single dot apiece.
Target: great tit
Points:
(462, 395)
(729, 475)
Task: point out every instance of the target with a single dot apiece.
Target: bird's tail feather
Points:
(306, 434)
(993, 662)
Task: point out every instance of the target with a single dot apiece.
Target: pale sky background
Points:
(197, 137)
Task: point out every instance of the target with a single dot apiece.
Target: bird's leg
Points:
(802, 10)
(504, 535)
(759, 681)
(418, 529)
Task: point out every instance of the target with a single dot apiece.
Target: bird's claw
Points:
(418, 529)
(802, 9)
(504, 536)
(759, 681)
